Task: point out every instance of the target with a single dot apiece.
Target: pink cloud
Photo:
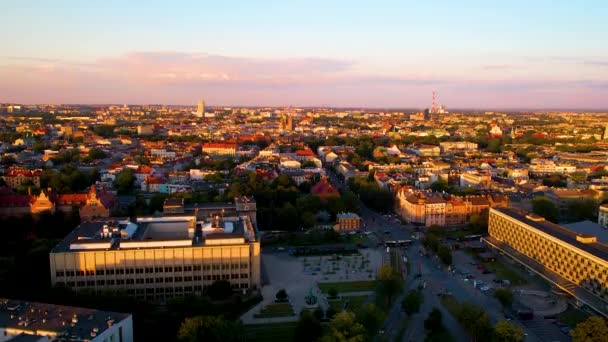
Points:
(181, 78)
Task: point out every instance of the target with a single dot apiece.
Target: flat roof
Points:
(589, 228)
(73, 323)
(151, 232)
(560, 232)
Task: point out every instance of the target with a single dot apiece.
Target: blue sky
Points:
(362, 53)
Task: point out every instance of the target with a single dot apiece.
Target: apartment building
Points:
(574, 260)
(475, 179)
(347, 222)
(220, 149)
(159, 258)
(15, 177)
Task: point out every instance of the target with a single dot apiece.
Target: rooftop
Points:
(69, 323)
(566, 234)
(156, 232)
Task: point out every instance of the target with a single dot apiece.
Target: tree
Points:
(281, 295)
(433, 322)
(593, 328)
(431, 241)
(412, 301)
(475, 321)
(210, 329)
(544, 207)
(389, 283)
(440, 186)
(125, 181)
(479, 222)
(371, 317)
(445, 255)
(332, 292)
(504, 296)
(96, 153)
(507, 332)
(330, 312)
(582, 209)
(344, 327)
(308, 327)
(219, 290)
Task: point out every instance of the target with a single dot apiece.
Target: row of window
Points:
(158, 280)
(148, 270)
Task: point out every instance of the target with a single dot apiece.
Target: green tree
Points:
(210, 328)
(389, 283)
(345, 328)
(281, 295)
(332, 292)
(582, 209)
(96, 153)
(445, 255)
(433, 323)
(371, 317)
(504, 296)
(412, 301)
(507, 332)
(431, 241)
(544, 207)
(308, 327)
(440, 186)
(593, 328)
(125, 181)
(475, 321)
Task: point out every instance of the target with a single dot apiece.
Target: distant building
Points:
(24, 321)
(160, 258)
(562, 198)
(602, 218)
(324, 189)
(90, 205)
(15, 177)
(347, 222)
(145, 129)
(287, 123)
(475, 179)
(200, 111)
(219, 148)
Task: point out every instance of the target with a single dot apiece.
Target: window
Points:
(130, 281)
(158, 269)
(168, 269)
(139, 281)
(90, 282)
(59, 273)
(159, 280)
(168, 279)
(197, 267)
(101, 282)
(178, 268)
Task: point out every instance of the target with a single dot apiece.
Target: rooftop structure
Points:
(157, 258)
(21, 319)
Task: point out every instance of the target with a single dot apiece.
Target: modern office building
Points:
(30, 321)
(158, 258)
(573, 258)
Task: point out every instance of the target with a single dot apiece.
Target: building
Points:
(475, 179)
(347, 222)
(200, 110)
(159, 258)
(287, 123)
(90, 205)
(563, 198)
(220, 149)
(573, 260)
(24, 321)
(15, 177)
(457, 146)
(145, 129)
(602, 218)
(429, 208)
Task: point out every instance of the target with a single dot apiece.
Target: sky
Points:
(380, 54)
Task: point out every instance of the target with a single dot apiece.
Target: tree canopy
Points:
(210, 329)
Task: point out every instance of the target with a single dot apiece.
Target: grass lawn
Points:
(270, 332)
(349, 286)
(572, 316)
(355, 302)
(276, 310)
(504, 271)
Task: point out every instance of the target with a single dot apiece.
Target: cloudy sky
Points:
(474, 54)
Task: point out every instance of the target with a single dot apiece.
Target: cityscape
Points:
(302, 176)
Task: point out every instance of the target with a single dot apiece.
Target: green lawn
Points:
(572, 316)
(349, 286)
(355, 302)
(281, 332)
(504, 271)
(276, 310)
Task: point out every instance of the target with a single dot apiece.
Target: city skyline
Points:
(392, 55)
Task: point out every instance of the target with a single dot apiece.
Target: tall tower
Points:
(200, 111)
(434, 105)
(605, 135)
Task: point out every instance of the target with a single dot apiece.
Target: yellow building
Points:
(156, 258)
(572, 258)
(347, 222)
